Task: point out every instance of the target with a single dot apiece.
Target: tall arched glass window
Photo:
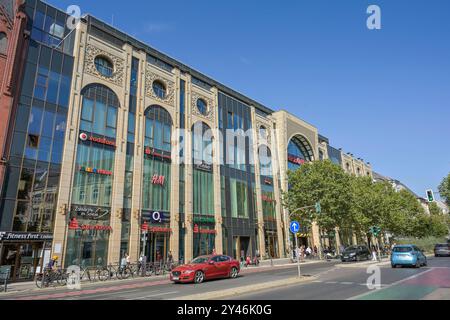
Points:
(99, 111)
(157, 161)
(3, 43)
(299, 151)
(158, 128)
(202, 153)
(265, 161)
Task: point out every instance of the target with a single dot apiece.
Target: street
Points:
(323, 280)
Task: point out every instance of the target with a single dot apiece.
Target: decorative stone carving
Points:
(268, 139)
(170, 86)
(210, 106)
(118, 64)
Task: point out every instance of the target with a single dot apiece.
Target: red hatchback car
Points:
(205, 268)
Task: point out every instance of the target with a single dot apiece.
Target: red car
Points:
(205, 268)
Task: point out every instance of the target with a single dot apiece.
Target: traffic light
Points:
(430, 195)
(375, 231)
(318, 208)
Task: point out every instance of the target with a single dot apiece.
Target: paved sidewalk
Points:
(31, 285)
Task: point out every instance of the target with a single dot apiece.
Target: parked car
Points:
(407, 255)
(356, 253)
(206, 268)
(442, 249)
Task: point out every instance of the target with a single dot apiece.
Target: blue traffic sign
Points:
(294, 226)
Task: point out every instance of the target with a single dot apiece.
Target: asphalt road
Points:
(332, 281)
(350, 282)
(151, 289)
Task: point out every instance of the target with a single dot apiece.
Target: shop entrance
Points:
(24, 258)
(271, 245)
(158, 247)
(242, 247)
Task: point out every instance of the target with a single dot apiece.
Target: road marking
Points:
(154, 295)
(347, 283)
(390, 285)
(331, 282)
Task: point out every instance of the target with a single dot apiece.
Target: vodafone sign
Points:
(84, 137)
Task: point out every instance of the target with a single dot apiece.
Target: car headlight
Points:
(188, 271)
(352, 254)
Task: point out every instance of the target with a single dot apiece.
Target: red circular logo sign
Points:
(83, 136)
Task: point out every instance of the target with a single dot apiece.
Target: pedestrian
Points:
(52, 265)
(214, 252)
(315, 251)
(170, 260)
(248, 261)
(308, 251)
(127, 256)
(374, 254)
(123, 261)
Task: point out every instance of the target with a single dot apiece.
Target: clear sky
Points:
(383, 95)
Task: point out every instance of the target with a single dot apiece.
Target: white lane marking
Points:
(346, 282)
(154, 295)
(390, 285)
(331, 282)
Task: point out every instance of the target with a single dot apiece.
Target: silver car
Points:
(442, 249)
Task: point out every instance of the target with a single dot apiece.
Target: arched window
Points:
(159, 89)
(299, 152)
(265, 161)
(3, 43)
(158, 128)
(202, 143)
(99, 110)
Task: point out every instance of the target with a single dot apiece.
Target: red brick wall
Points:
(11, 68)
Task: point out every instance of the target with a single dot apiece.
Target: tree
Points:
(434, 209)
(444, 189)
(317, 181)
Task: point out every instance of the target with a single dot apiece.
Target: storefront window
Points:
(239, 199)
(299, 151)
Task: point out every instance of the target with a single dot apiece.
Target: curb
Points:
(214, 295)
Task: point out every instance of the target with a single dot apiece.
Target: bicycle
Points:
(85, 271)
(108, 272)
(49, 277)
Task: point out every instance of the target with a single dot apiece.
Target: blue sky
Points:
(383, 95)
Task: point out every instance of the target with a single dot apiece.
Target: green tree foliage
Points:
(358, 203)
(319, 181)
(444, 189)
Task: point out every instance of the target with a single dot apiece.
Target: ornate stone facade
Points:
(210, 114)
(150, 77)
(118, 64)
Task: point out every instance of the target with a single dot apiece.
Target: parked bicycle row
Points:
(54, 276)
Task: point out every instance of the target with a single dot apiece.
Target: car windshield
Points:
(402, 249)
(442, 245)
(200, 260)
(351, 249)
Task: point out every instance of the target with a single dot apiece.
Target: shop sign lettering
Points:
(85, 137)
(96, 171)
(158, 180)
(25, 236)
(295, 160)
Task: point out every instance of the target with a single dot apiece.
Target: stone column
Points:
(135, 231)
(216, 179)
(188, 246)
(60, 232)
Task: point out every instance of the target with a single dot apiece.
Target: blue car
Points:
(408, 255)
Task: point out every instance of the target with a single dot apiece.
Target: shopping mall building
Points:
(112, 147)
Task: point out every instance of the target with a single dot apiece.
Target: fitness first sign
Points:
(25, 236)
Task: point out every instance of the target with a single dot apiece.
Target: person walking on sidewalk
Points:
(374, 254)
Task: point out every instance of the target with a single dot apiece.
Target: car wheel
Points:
(417, 264)
(199, 277)
(233, 272)
(393, 266)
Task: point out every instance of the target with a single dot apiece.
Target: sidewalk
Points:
(264, 265)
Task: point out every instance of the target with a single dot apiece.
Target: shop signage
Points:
(85, 137)
(266, 198)
(152, 152)
(159, 230)
(157, 179)
(25, 236)
(96, 171)
(73, 225)
(295, 159)
(204, 231)
(203, 166)
(87, 212)
(156, 216)
(204, 219)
